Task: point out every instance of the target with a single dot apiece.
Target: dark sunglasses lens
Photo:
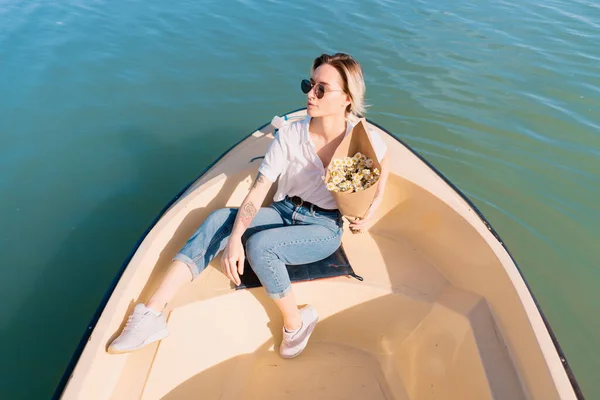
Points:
(320, 91)
(305, 86)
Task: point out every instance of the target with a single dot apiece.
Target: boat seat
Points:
(336, 264)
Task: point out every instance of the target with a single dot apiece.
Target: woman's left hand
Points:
(367, 222)
(364, 224)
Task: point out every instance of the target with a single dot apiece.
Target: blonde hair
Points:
(353, 82)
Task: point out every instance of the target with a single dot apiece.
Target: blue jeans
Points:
(280, 234)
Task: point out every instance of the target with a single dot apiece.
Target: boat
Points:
(442, 310)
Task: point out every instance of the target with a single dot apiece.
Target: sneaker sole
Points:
(310, 331)
(154, 338)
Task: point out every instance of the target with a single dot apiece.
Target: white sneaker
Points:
(144, 326)
(293, 343)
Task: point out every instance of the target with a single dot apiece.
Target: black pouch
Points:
(336, 264)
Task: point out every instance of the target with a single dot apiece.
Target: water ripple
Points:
(501, 96)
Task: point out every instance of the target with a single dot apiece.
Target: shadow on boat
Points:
(191, 222)
(332, 365)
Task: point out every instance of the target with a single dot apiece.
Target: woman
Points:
(302, 225)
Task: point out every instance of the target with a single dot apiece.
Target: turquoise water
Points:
(107, 109)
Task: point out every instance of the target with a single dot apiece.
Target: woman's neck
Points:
(328, 127)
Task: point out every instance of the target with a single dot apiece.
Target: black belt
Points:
(301, 203)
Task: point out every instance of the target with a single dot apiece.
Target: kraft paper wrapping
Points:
(355, 204)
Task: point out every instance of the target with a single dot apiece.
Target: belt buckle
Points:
(296, 204)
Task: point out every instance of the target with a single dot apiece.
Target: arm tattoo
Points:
(259, 180)
(248, 212)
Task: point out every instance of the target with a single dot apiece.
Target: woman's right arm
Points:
(273, 164)
(233, 255)
(251, 205)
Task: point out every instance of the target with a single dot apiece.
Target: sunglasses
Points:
(307, 85)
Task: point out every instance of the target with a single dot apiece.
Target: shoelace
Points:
(133, 322)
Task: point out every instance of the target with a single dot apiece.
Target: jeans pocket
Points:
(328, 219)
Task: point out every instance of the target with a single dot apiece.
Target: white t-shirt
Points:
(293, 159)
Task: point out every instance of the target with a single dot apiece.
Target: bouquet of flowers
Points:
(353, 173)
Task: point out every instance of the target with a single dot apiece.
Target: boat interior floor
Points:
(402, 333)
